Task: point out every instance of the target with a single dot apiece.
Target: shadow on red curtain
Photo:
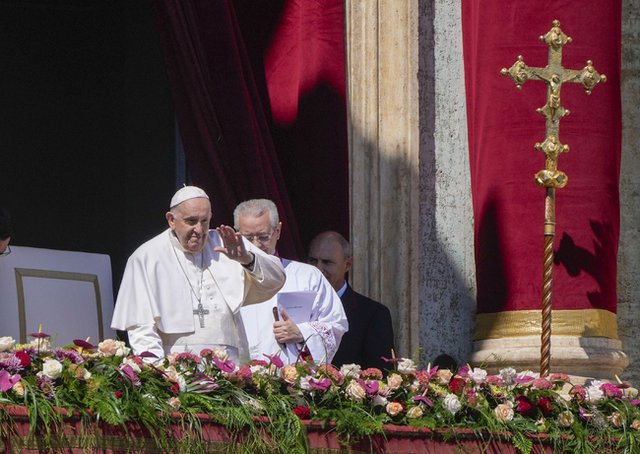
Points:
(231, 64)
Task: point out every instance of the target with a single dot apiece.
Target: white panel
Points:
(69, 293)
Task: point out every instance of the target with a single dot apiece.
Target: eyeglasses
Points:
(7, 251)
(260, 238)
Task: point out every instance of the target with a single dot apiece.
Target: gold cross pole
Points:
(554, 75)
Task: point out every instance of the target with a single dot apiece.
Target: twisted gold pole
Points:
(547, 281)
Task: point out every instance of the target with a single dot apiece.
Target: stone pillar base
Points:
(580, 357)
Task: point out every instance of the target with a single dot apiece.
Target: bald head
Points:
(330, 252)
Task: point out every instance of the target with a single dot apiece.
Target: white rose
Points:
(406, 366)
(350, 370)
(6, 343)
(174, 403)
(52, 368)
(508, 374)
(42, 345)
(478, 375)
(221, 353)
(504, 412)
(452, 403)
(355, 391)
(305, 383)
(594, 393)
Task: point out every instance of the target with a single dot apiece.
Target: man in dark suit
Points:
(370, 334)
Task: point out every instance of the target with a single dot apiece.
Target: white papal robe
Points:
(162, 287)
(322, 331)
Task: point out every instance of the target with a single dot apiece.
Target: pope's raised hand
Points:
(233, 246)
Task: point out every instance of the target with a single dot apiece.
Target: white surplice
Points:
(162, 286)
(322, 332)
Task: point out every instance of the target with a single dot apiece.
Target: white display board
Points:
(69, 293)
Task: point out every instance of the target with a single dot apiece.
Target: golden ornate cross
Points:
(550, 178)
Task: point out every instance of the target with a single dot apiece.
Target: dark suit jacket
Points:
(370, 334)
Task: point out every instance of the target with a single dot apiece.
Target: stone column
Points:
(411, 218)
(382, 64)
(629, 251)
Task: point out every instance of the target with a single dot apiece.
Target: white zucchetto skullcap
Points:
(186, 193)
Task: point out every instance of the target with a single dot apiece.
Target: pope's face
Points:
(190, 223)
(327, 255)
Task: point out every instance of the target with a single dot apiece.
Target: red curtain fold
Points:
(503, 126)
(226, 135)
(297, 50)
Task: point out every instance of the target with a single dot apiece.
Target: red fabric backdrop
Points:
(297, 52)
(503, 127)
(224, 89)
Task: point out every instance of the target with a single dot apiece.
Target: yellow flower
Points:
(18, 388)
(565, 419)
(415, 412)
(615, 419)
(394, 408)
(289, 373)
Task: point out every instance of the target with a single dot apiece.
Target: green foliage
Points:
(263, 405)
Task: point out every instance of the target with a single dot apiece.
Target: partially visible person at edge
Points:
(370, 335)
(319, 335)
(183, 289)
(6, 232)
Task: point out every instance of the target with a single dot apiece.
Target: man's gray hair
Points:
(256, 208)
(331, 235)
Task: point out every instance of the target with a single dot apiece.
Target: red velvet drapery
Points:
(503, 127)
(230, 64)
(226, 137)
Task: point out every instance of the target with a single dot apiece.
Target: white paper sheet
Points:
(297, 305)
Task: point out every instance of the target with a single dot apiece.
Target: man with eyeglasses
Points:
(270, 329)
(182, 290)
(6, 232)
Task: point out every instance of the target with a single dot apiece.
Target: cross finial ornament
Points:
(550, 178)
(554, 75)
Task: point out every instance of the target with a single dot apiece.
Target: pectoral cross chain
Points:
(201, 312)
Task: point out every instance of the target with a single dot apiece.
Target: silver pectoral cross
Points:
(201, 312)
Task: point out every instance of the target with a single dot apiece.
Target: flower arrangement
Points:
(263, 404)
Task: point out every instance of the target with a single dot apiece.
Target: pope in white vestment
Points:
(183, 289)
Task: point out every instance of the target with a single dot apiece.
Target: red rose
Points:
(524, 405)
(25, 359)
(118, 394)
(302, 411)
(457, 385)
(544, 404)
